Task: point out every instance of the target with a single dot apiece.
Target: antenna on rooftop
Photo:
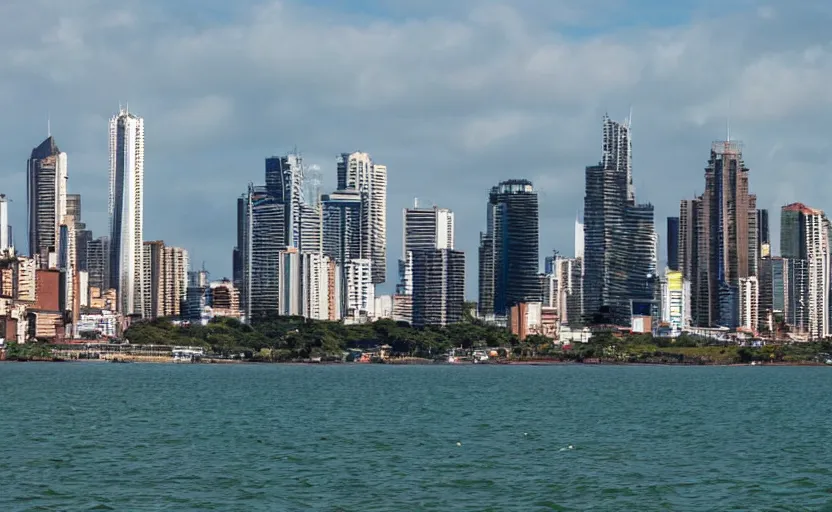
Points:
(48, 124)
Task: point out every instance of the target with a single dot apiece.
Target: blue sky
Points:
(452, 96)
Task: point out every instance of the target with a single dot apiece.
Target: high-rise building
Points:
(673, 243)
(726, 238)
(360, 291)
(804, 237)
(579, 238)
(438, 286)
(318, 276)
(311, 228)
(356, 171)
(6, 242)
(46, 180)
(675, 300)
(126, 212)
(82, 234)
(763, 235)
(509, 250)
(342, 212)
(569, 299)
(263, 241)
(98, 262)
(688, 244)
(290, 293)
(620, 249)
(749, 294)
(154, 279)
(422, 229)
(284, 180)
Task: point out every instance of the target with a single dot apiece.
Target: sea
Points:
(248, 437)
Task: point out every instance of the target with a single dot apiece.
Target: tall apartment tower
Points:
(284, 180)
(166, 280)
(438, 286)
(422, 229)
(509, 249)
(726, 238)
(673, 243)
(357, 171)
(804, 239)
(125, 208)
(6, 242)
(620, 249)
(46, 179)
(264, 232)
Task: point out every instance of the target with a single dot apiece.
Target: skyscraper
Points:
(357, 171)
(726, 237)
(509, 249)
(438, 286)
(5, 229)
(98, 263)
(673, 243)
(125, 209)
(620, 249)
(263, 241)
(804, 237)
(82, 234)
(423, 229)
(763, 236)
(166, 280)
(284, 180)
(46, 179)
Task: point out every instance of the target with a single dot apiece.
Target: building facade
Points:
(804, 238)
(46, 181)
(358, 172)
(126, 211)
(438, 287)
(509, 249)
(620, 256)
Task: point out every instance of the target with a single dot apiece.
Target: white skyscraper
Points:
(357, 171)
(5, 238)
(579, 238)
(125, 208)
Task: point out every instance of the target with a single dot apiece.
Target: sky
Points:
(452, 96)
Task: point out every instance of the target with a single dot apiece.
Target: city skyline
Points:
(551, 133)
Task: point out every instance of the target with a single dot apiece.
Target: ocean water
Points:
(144, 437)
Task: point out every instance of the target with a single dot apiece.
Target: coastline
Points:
(535, 362)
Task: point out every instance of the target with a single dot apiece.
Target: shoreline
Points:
(540, 362)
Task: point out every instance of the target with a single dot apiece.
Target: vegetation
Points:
(28, 352)
(286, 338)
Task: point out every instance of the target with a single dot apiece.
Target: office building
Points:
(359, 297)
(126, 212)
(509, 251)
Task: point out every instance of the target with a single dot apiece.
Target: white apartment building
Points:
(125, 208)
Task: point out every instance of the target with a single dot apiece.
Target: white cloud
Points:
(453, 97)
